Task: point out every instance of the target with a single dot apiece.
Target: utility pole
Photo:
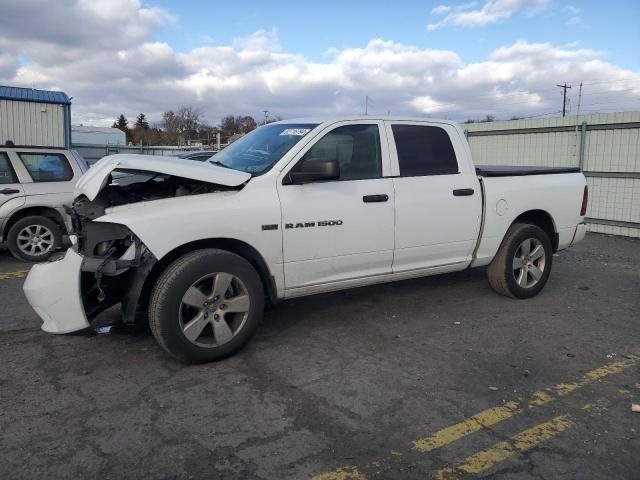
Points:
(366, 105)
(579, 99)
(564, 97)
(579, 148)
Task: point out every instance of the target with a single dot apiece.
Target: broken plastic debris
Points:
(457, 323)
(635, 407)
(494, 389)
(104, 330)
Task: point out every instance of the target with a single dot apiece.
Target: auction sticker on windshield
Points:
(298, 132)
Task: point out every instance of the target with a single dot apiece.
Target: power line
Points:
(499, 97)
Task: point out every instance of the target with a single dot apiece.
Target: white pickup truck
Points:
(296, 208)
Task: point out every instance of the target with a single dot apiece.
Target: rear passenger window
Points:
(424, 150)
(7, 175)
(47, 167)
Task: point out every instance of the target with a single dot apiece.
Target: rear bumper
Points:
(53, 291)
(581, 231)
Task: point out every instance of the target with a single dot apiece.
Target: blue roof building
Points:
(33, 117)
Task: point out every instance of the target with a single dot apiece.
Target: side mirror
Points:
(313, 171)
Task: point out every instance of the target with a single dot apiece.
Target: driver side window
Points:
(355, 147)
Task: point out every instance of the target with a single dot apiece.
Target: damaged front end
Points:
(116, 263)
(114, 268)
(107, 263)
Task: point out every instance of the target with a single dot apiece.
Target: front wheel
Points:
(522, 265)
(206, 306)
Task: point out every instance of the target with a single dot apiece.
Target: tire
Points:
(515, 274)
(177, 308)
(34, 239)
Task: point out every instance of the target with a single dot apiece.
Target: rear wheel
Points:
(206, 306)
(522, 265)
(34, 239)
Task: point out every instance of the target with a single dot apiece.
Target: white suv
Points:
(34, 185)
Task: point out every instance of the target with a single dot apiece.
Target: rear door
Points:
(11, 191)
(51, 174)
(438, 199)
(340, 229)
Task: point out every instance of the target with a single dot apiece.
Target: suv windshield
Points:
(259, 150)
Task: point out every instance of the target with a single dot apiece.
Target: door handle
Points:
(375, 198)
(462, 192)
(9, 191)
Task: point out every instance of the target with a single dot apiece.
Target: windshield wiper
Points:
(220, 164)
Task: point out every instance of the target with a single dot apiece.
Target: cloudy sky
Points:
(457, 60)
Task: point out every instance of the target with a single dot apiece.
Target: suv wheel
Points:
(34, 239)
(206, 306)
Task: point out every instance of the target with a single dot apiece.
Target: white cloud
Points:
(571, 9)
(574, 13)
(255, 73)
(440, 10)
(492, 11)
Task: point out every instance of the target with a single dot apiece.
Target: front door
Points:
(340, 229)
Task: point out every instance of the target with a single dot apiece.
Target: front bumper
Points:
(53, 291)
(581, 231)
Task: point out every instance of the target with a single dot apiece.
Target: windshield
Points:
(259, 150)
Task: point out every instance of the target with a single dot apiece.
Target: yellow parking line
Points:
(486, 459)
(540, 398)
(10, 275)
(492, 416)
(447, 435)
(345, 473)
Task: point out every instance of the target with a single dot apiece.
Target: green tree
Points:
(141, 122)
(122, 124)
(141, 132)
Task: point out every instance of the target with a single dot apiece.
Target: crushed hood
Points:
(97, 176)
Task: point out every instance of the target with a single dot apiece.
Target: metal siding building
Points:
(102, 136)
(606, 146)
(35, 117)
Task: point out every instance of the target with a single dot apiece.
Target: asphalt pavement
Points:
(431, 378)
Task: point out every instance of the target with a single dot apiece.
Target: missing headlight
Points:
(98, 238)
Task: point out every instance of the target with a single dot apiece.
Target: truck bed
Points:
(516, 171)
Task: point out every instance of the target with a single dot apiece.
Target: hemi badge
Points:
(273, 226)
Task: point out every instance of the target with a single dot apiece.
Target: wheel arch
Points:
(34, 210)
(232, 245)
(543, 220)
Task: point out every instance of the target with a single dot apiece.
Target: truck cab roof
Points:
(349, 118)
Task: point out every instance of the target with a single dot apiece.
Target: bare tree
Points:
(247, 124)
(230, 125)
(170, 127)
(181, 125)
(189, 119)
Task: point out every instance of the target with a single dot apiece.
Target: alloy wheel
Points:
(214, 309)
(529, 263)
(35, 240)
